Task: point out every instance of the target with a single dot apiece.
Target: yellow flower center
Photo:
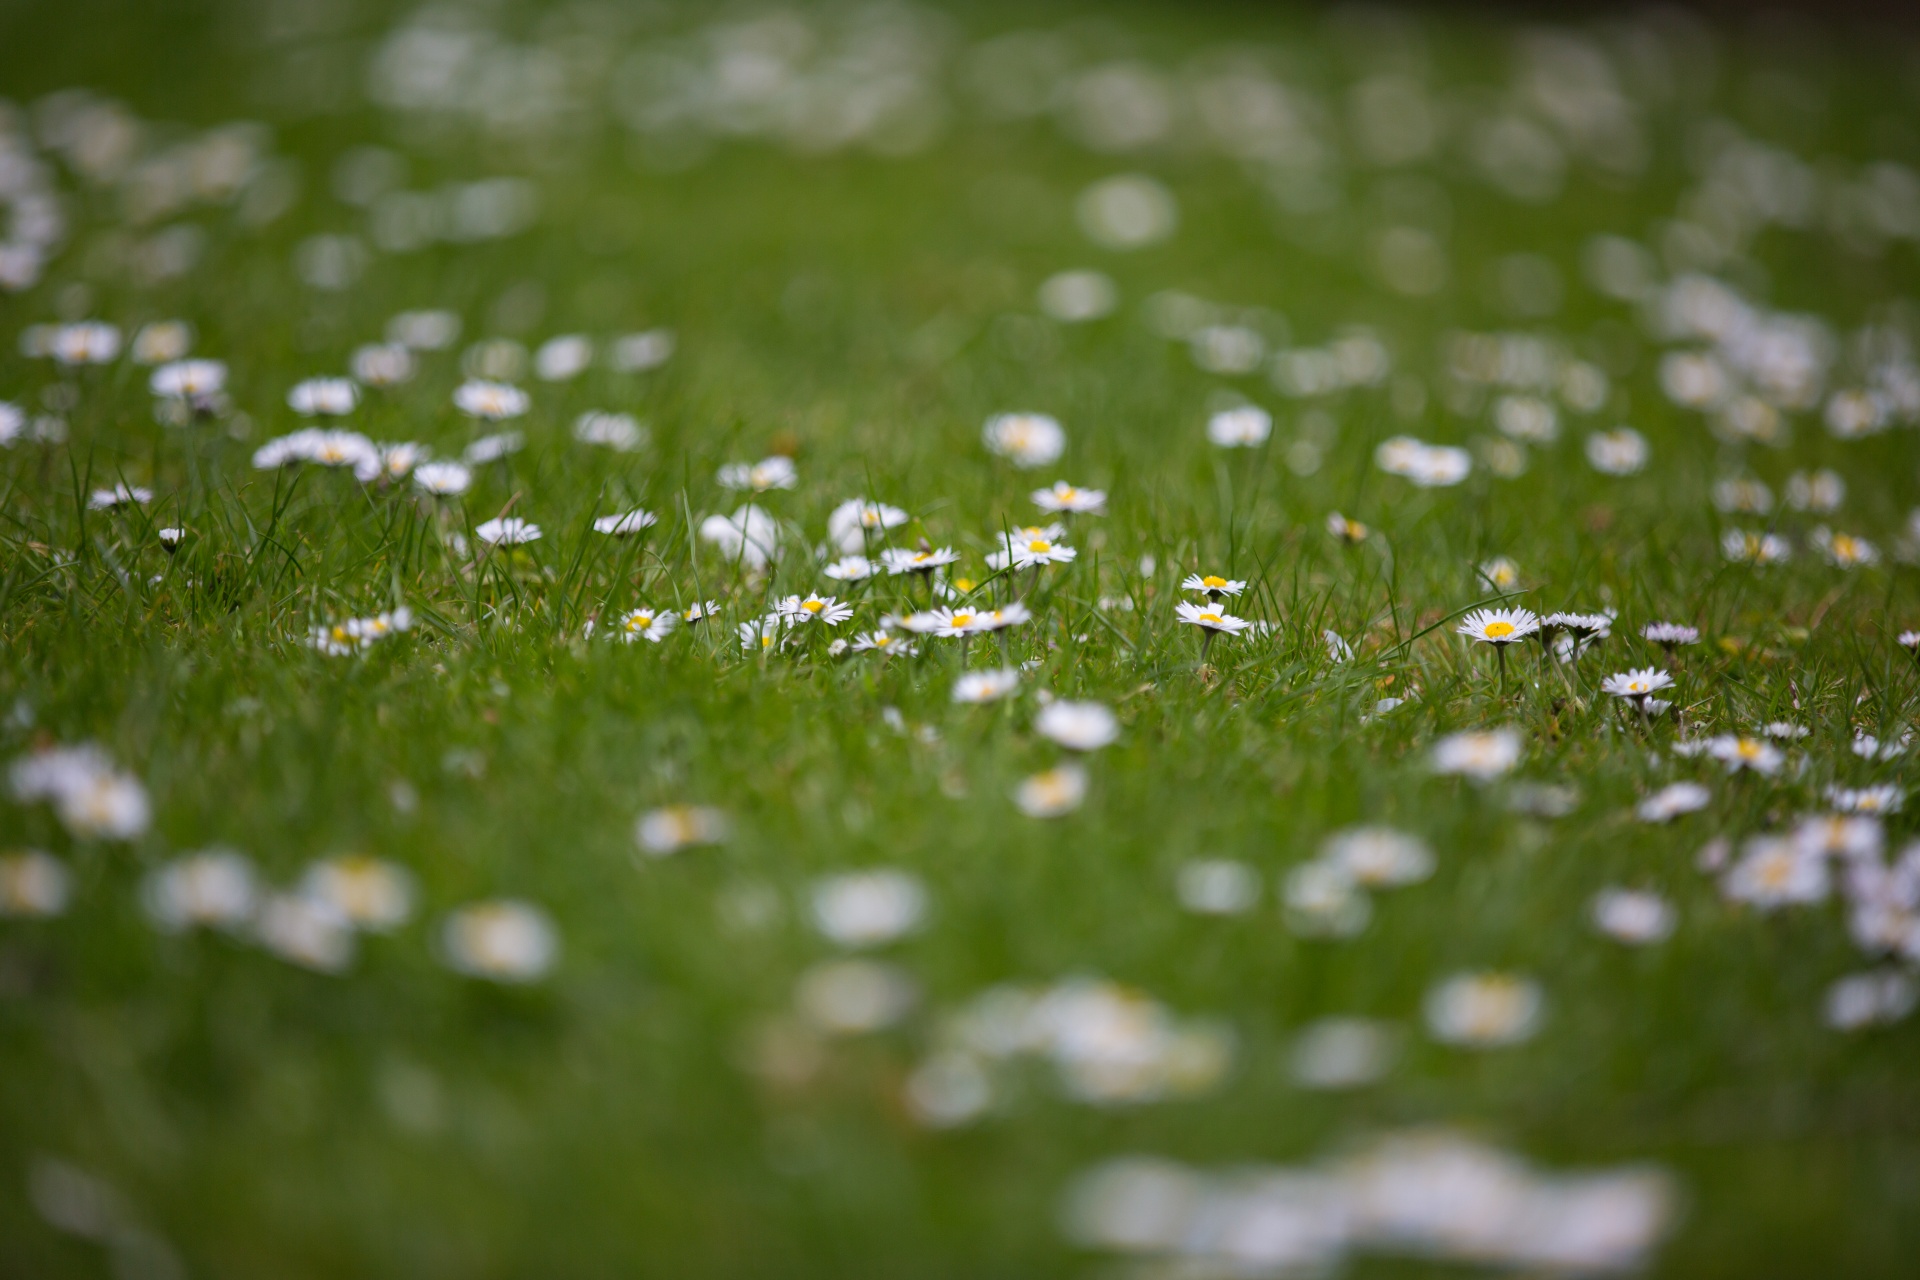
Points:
(1068, 492)
(1747, 749)
(881, 642)
(1499, 630)
(1210, 617)
(813, 606)
(639, 622)
(962, 619)
(1040, 545)
(1211, 583)
(963, 584)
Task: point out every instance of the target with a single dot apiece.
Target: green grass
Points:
(402, 1120)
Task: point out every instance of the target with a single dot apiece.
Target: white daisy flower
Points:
(331, 397)
(1011, 614)
(1210, 618)
(1322, 901)
(191, 380)
(1620, 452)
(507, 531)
(1821, 491)
(1632, 916)
(120, 495)
(442, 479)
(424, 330)
(93, 799)
(853, 997)
(493, 447)
(763, 635)
(1244, 427)
(869, 908)
(850, 524)
(851, 569)
(1754, 548)
(776, 472)
(646, 624)
(1885, 798)
(1485, 1010)
(822, 609)
(162, 341)
(386, 364)
(1053, 793)
(620, 432)
(700, 612)
(1670, 635)
(1481, 756)
(1063, 497)
(1500, 573)
(883, 642)
(630, 522)
(1212, 585)
(504, 940)
(213, 889)
(749, 537)
(1026, 552)
(1637, 685)
(1869, 999)
(1027, 439)
(900, 560)
(986, 686)
(1774, 871)
(1078, 726)
(493, 401)
(367, 893)
(1499, 626)
(1217, 887)
(1671, 802)
(562, 358)
(84, 342)
(1844, 550)
(1742, 494)
(1751, 754)
(1379, 857)
(304, 931)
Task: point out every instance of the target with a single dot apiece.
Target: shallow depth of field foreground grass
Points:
(403, 875)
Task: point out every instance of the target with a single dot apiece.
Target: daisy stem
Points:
(1500, 652)
(1206, 643)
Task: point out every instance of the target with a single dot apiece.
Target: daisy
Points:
(1054, 793)
(1217, 887)
(1322, 901)
(1351, 532)
(1671, 802)
(824, 609)
(366, 892)
(503, 940)
(1637, 685)
(1011, 614)
(1632, 916)
(1244, 427)
(330, 397)
(494, 401)
(935, 622)
(386, 364)
(1871, 998)
(762, 634)
(212, 889)
(493, 448)
(1773, 872)
(343, 449)
(1078, 726)
(1620, 452)
(85, 342)
(883, 642)
(162, 341)
(1754, 548)
(195, 381)
(670, 829)
(1210, 619)
(1499, 627)
(171, 538)
(645, 623)
(620, 432)
(560, 359)
(1063, 497)
(1379, 857)
(1485, 1010)
(699, 612)
(507, 531)
(121, 495)
(1742, 494)
(869, 908)
(1751, 754)
(443, 479)
(986, 686)
(1027, 439)
(1844, 550)
(1885, 798)
(851, 569)
(1500, 573)
(749, 537)
(304, 931)
(621, 525)
(1910, 641)
(1670, 635)
(1480, 756)
(850, 524)
(1213, 585)
(776, 472)
(33, 883)
(899, 560)
(1030, 552)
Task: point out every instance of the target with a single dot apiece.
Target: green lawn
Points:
(843, 232)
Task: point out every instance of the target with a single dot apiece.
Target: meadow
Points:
(1111, 640)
